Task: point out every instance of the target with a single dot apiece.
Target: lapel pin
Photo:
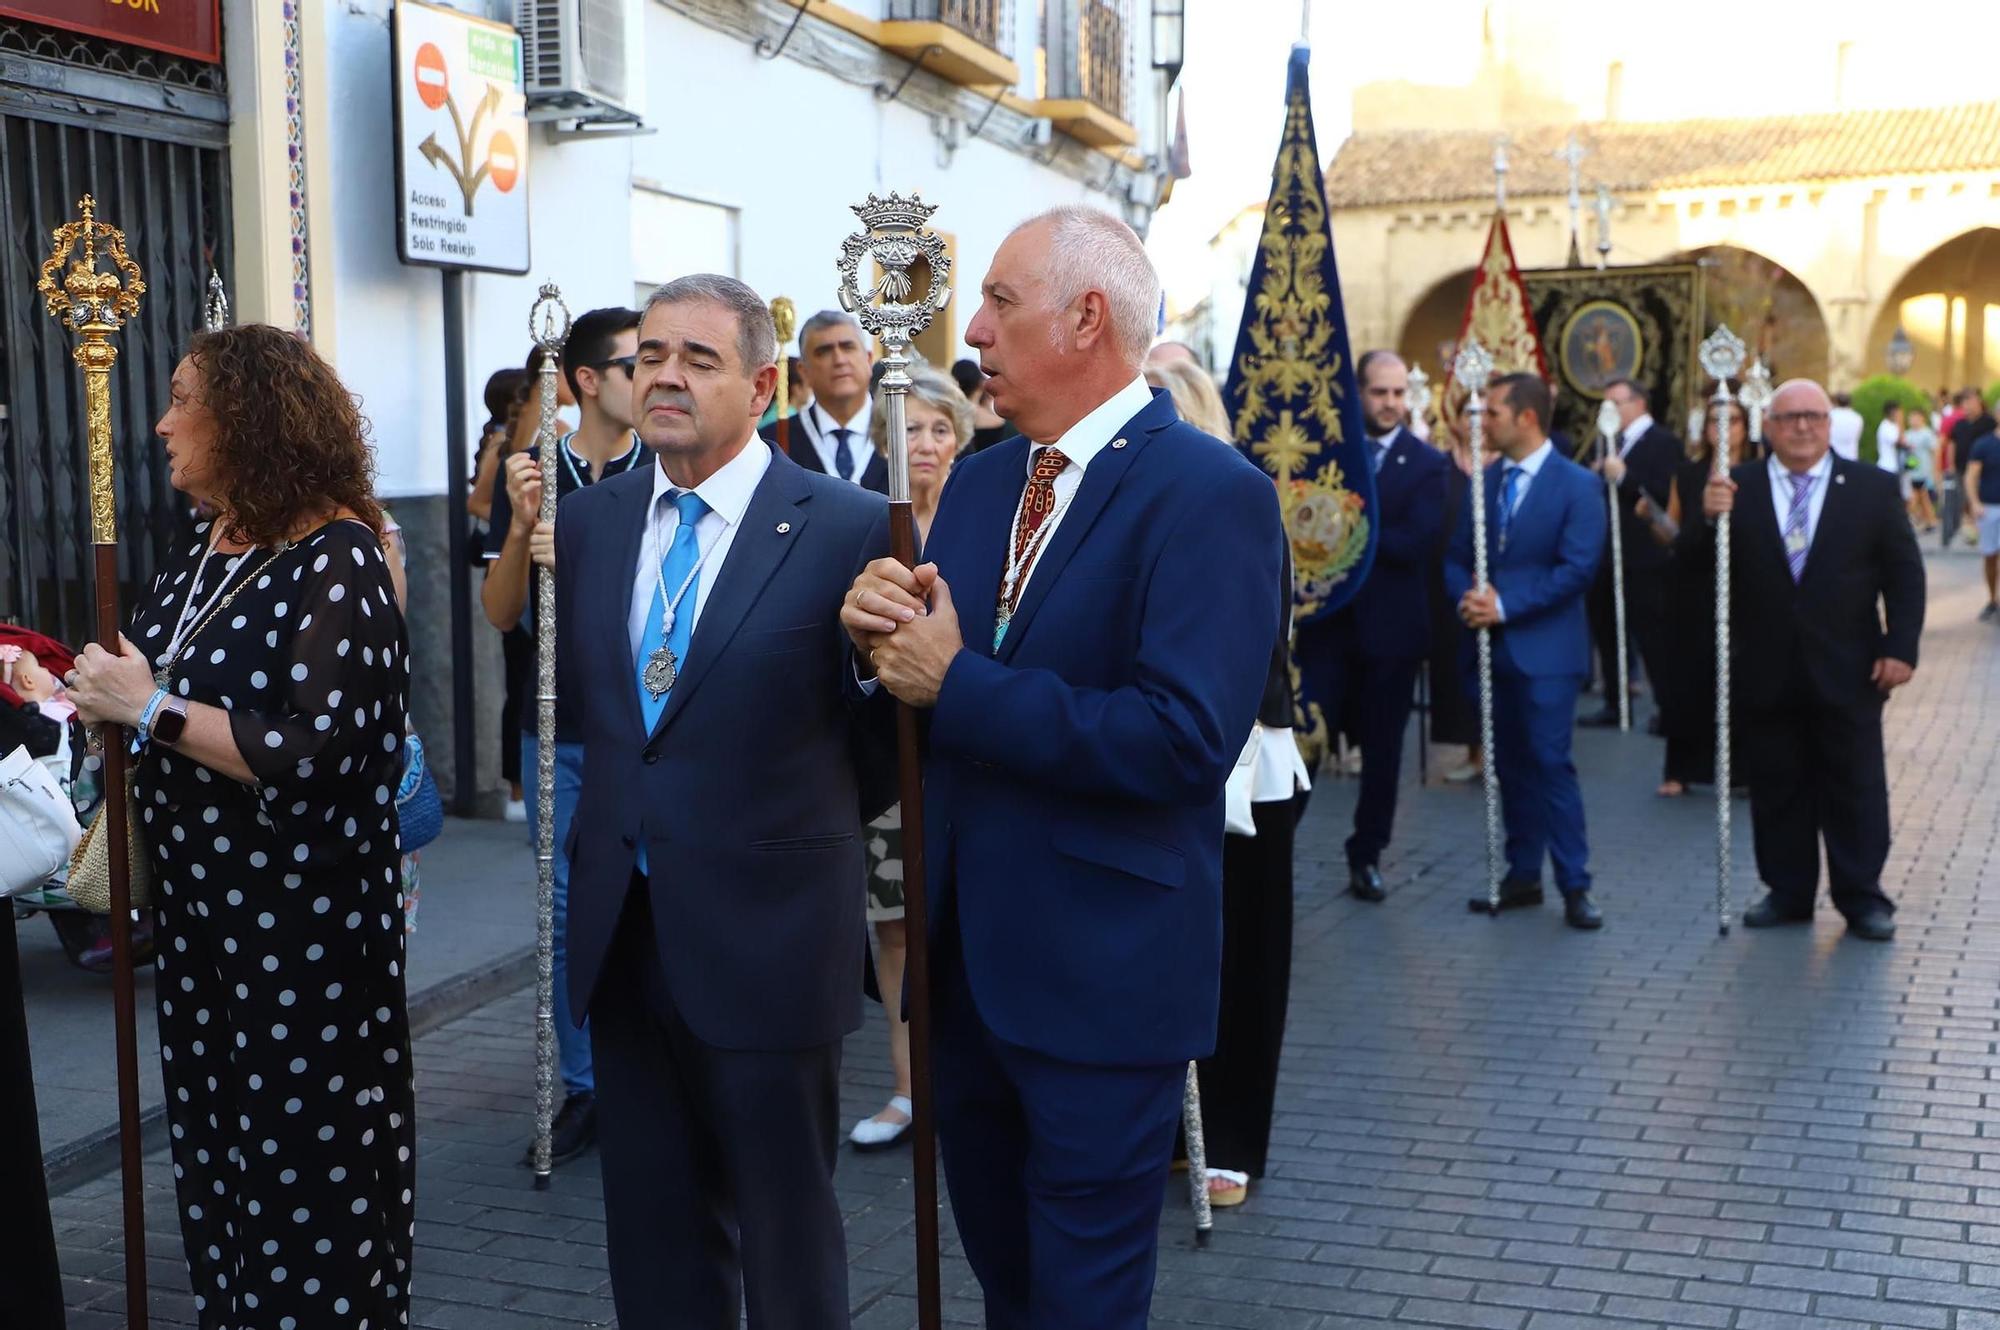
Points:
(784, 528)
(1840, 480)
(1402, 459)
(1118, 443)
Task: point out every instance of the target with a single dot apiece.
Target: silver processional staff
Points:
(1721, 357)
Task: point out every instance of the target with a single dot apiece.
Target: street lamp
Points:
(1901, 354)
(1169, 36)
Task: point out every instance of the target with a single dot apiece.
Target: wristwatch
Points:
(169, 721)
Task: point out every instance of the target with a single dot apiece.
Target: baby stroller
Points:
(62, 742)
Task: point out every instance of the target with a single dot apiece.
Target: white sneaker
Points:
(874, 1134)
(515, 811)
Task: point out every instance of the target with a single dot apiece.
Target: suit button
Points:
(630, 840)
(652, 756)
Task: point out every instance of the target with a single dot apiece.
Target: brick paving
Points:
(1481, 1123)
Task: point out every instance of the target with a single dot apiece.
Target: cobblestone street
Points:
(1480, 1123)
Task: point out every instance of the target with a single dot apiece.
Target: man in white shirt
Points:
(832, 434)
(716, 911)
(1844, 428)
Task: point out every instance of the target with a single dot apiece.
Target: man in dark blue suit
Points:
(1361, 661)
(1087, 700)
(715, 859)
(1545, 523)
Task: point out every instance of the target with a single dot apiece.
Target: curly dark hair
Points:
(291, 443)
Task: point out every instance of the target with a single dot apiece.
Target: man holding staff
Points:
(716, 856)
(1081, 639)
(1828, 603)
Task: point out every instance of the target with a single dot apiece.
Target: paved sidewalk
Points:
(1481, 1123)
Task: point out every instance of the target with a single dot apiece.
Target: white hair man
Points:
(1829, 604)
(1086, 706)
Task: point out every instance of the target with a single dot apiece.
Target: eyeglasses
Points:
(1799, 419)
(621, 362)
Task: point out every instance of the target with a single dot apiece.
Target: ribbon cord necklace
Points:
(662, 669)
(1018, 566)
(190, 616)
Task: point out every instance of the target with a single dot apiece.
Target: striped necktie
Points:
(1797, 538)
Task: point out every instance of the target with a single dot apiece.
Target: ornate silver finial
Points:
(892, 233)
(1420, 393)
(1607, 418)
(1572, 154)
(548, 318)
(1603, 224)
(1472, 366)
(1721, 354)
(1756, 393)
(215, 308)
(1500, 171)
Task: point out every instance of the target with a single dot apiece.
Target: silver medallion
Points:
(661, 671)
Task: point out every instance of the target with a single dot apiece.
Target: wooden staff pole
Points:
(893, 234)
(93, 305)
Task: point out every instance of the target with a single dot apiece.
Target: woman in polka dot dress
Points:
(284, 1039)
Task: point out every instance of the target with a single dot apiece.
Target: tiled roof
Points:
(1437, 166)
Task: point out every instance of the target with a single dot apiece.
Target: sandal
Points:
(872, 1134)
(1227, 1187)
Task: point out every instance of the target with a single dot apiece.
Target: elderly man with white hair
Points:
(1828, 603)
(1087, 701)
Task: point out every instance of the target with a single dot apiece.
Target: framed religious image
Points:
(1600, 343)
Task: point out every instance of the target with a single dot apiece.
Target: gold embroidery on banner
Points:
(1497, 315)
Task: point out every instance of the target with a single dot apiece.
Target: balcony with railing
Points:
(966, 41)
(1088, 52)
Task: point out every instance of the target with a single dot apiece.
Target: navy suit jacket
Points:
(875, 476)
(1390, 615)
(750, 792)
(1553, 548)
(1073, 798)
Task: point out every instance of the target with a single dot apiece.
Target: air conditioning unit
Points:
(584, 60)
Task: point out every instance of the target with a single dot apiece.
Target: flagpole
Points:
(94, 305)
(548, 324)
(1607, 433)
(1721, 356)
(893, 234)
(1472, 366)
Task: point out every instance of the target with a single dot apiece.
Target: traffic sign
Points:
(461, 135)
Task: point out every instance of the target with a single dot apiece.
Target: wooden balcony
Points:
(964, 41)
(1086, 87)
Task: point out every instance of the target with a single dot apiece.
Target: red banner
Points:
(179, 27)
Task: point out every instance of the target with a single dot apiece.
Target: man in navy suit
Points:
(1087, 701)
(830, 434)
(1545, 521)
(1361, 661)
(715, 859)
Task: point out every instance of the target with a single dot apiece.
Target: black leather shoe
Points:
(1515, 894)
(1365, 883)
(1766, 914)
(1873, 926)
(573, 1132)
(1607, 718)
(1580, 911)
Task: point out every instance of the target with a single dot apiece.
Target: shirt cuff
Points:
(868, 686)
(1499, 609)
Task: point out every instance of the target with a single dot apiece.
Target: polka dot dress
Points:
(284, 1040)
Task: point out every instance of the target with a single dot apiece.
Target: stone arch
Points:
(1433, 321)
(1948, 304)
(1768, 306)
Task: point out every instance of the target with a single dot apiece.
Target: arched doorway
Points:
(1948, 305)
(1766, 305)
(1432, 324)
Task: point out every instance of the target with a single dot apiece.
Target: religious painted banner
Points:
(1291, 392)
(1637, 323)
(1498, 315)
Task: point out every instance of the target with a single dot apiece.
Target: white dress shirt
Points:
(1781, 494)
(1081, 442)
(1632, 434)
(859, 446)
(1844, 430)
(1531, 466)
(727, 494)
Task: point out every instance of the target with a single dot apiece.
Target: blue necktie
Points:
(1510, 491)
(675, 569)
(843, 456)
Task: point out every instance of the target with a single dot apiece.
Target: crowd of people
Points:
(1111, 784)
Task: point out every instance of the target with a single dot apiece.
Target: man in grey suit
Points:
(716, 864)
